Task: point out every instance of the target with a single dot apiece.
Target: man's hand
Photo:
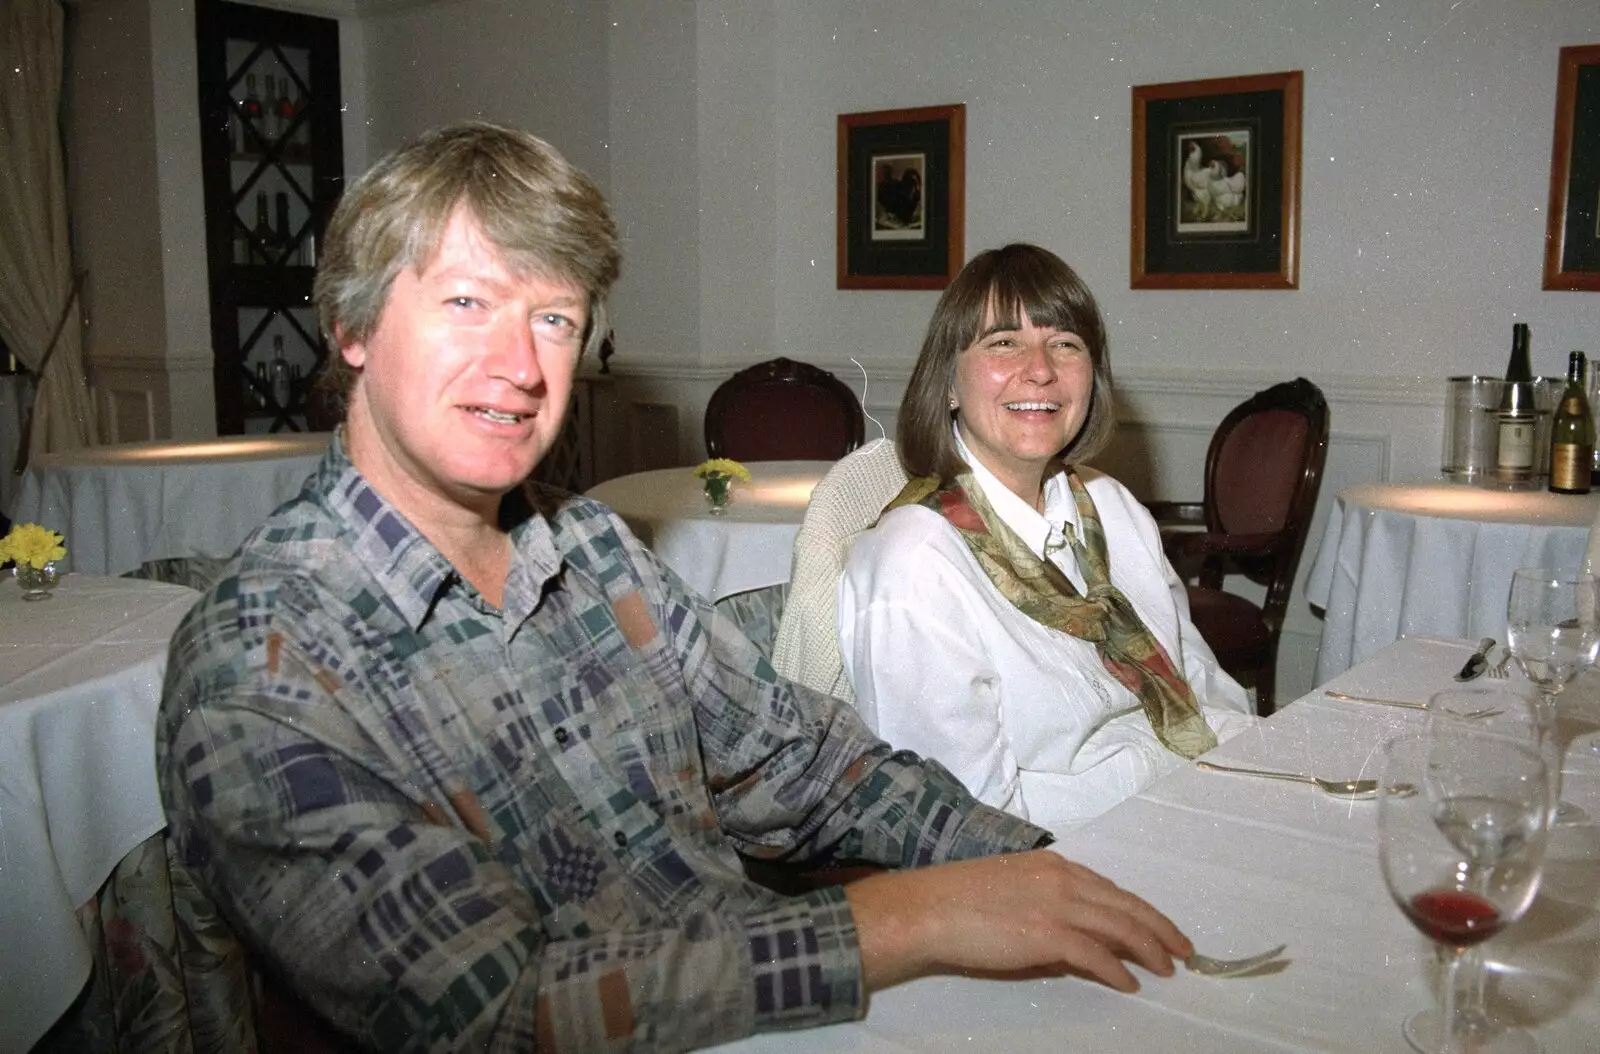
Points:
(1008, 913)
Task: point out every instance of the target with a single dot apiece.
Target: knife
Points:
(1479, 661)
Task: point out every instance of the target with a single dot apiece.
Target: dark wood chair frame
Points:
(1210, 553)
(781, 371)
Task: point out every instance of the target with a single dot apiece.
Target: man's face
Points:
(464, 383)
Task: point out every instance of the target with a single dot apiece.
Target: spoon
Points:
(1351, 789)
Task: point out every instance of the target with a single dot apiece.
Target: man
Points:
(470, 769)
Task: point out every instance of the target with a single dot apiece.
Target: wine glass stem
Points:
(1472, 1013)
(1447, 1013)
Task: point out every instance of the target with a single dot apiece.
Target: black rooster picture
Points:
(897, 195)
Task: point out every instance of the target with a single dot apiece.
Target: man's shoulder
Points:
(295, 561)
(587, 534)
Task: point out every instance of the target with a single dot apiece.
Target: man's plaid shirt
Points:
(454, 827)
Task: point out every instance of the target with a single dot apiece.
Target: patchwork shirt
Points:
(454, 827)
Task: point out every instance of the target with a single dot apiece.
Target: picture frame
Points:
(1216, 183)
(901, 197)
(1572, 227)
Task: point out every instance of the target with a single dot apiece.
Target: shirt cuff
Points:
(986, 831)
(805, 963)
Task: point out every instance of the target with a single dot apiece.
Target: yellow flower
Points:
(30, 544)
(724, 467)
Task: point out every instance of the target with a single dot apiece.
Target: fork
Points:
(1210, 967)
(1502, 669)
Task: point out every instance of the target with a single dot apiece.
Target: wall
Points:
(1427, 128)
(539, 64)
(131, 132)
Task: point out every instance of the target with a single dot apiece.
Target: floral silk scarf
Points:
(1105, 618)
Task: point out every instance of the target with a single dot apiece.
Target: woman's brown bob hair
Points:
(546, 217)
(1017, 280)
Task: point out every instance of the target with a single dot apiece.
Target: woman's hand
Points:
(1008, 913)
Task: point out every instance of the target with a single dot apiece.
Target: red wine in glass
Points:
(1453, 917)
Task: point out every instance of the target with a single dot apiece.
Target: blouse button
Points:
(561, 735)
(621, 839)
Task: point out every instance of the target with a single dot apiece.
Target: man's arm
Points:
(1008, 913)
(388, 911)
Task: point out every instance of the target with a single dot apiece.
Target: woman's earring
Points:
(953, 404)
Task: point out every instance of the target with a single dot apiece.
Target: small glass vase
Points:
(36, 582)
(719, 492)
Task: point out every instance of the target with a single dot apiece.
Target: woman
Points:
(976, 620)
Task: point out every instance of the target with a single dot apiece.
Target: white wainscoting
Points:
(1383, 428)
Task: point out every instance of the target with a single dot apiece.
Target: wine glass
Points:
(1553, 631)
(1462, 825)
(1510, 710)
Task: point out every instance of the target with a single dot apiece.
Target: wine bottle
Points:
(281, 388)
(285, 108)
(258, 395)
(1572, 435)
(264, 238)
(1517, 417)
(284, 234)
(252, 113)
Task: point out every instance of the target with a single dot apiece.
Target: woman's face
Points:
(1022, 395)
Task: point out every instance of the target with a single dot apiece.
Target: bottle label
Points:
(1515, 452)
(1569, 467)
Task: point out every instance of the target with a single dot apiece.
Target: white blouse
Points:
(1026, 716)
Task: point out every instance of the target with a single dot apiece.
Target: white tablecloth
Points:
(1419, 559)
(121, 506)
(1243, 864)
(748, 547)
(80, 680)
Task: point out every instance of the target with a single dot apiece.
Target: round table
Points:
(124, 505)
(80, 682)
(1435, 559)
(748, 547)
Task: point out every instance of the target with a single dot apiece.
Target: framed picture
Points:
(1572, 236)
(1216, 183)
(902, 191)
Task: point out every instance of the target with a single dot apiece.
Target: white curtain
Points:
(35, 254)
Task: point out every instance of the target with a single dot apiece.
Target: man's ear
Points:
(353, 351)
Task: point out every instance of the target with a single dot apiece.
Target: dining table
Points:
(1433, 558)
(80, 683)
(127, 504)
(745, 547)
(1243, 864)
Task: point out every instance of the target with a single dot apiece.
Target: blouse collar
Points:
(1033, 528)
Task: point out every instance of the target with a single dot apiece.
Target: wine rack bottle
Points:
(1518, 419)
(1572, 435)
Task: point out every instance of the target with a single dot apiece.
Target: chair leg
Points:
(1266, 676)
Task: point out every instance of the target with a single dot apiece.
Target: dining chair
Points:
(783, 410)
(845, 502)
(1263, 471)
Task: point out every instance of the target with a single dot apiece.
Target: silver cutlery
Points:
(1501, 670)
(1408, 704)
(1477, 662)
(1470, 715)
(1210, 967)
(1348, 789)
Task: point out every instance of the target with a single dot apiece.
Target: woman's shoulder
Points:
(908, 544)
(903, 532)
(1107, 490)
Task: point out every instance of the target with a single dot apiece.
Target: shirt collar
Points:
(408, 567)
(1033, 528)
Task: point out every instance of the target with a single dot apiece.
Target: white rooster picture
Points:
(1213, 182)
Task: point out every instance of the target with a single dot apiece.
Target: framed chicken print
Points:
(1216, 183)
(902, 188)
(1572, 232)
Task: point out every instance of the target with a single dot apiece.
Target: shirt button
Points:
(621, 839)
(561, 735)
